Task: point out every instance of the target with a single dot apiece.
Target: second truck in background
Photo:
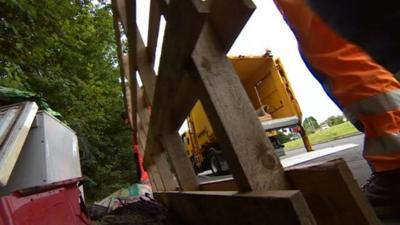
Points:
(271, 95)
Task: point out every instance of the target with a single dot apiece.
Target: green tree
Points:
(65, 52)
(334, 120)
(310, 124)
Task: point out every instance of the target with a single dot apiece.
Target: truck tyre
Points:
(214, 160)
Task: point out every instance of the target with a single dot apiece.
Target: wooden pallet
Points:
(193, 66)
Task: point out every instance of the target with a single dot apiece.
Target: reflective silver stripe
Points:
(383, 145)
(374, 104)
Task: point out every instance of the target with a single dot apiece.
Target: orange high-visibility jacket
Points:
(365, 90)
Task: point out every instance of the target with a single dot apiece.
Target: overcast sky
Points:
(266, 29)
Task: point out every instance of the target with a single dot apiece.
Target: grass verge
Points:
(332, 133)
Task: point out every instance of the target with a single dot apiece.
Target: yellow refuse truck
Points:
(269, 90)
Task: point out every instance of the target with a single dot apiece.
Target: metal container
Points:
(50, 154)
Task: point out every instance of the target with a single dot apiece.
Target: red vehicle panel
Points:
(56, 204)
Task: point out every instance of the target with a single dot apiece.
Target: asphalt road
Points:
(350, 149)
(353, 156)
(357, 139)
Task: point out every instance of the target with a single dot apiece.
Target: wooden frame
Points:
(193, 66)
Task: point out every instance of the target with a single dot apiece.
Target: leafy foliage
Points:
(334, 120)
(64, 51)
(310, 124)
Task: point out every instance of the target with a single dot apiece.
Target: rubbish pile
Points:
(142, 212)
(132, 206)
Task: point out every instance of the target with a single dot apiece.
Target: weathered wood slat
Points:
(141, 135)
(155, 176)
(164, 169)
(119, 6)
(145, 68)
(117, 34)
(127, 82)
(10, 148)
(186, 97)
(125, 10)
(329, 189)
(250, 156)
(152, 183)
(130, 10)
(228, 20)
(183, 168)
(153, 31)
(221, 185)
(142, 110)
(332, 194)
(177, 47)
(227, 208)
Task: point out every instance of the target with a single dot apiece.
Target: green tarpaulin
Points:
(11, 95)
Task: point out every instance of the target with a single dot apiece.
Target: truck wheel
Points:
(215, 164)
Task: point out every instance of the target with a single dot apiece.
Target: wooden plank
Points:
(130, 9)
(165, 172)
(228, 19)
(332, 194)
(183, 168)
(142, 110)
(152, 180)
(219, 185)
(186, 97)
(153, 31)
(177, 47)
(7, 119)
(119, 8)
(146, 71)
(227, 208)
(130, 102)
(141, 136)
(156, 177)
(117, 34)
(250, 156)
(152, 183)
(11, 146)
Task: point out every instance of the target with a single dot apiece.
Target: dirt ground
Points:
(143, 212)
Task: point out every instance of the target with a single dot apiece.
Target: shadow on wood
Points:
(332, 194)
(228, 208)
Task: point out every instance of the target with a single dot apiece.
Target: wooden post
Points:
(228, 208)
(184, 171)
(250, 156)
(153, 168)
(117, 34)
(332, 194)
(186, 96)
(164, 169)
(145, 68)
(154, 26)
(189, 16)
(130, 29)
